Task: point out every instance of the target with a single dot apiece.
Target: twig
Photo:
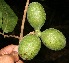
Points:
(23, 20)
(10, 36)
(14, 35)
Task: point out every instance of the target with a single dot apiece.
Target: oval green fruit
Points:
(53, 39)
(36, 15)
(29, 47)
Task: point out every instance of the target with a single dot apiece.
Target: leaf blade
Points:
(10, 19)
(0, 19)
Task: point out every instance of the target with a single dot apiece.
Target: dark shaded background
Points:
(57, 17)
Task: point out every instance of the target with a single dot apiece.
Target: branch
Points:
(23, 20)
(14, 36)
(10, 36)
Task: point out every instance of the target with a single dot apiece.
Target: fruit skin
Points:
(36, 15)
(29, 47)
(53, 39)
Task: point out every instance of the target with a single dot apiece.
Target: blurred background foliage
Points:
(57, 17)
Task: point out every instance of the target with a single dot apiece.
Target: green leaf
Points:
(8, 23)
(0, 19)
(9, 17)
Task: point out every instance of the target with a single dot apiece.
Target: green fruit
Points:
(36, 15)
(29, 47)
(53, 39)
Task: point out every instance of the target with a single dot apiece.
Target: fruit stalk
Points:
(23, 20)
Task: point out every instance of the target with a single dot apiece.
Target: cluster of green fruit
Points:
(52, 38)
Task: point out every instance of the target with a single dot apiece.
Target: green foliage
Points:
(0, 19)
(29, 47)
(36, 15)
(9, 19)
(53, 39)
